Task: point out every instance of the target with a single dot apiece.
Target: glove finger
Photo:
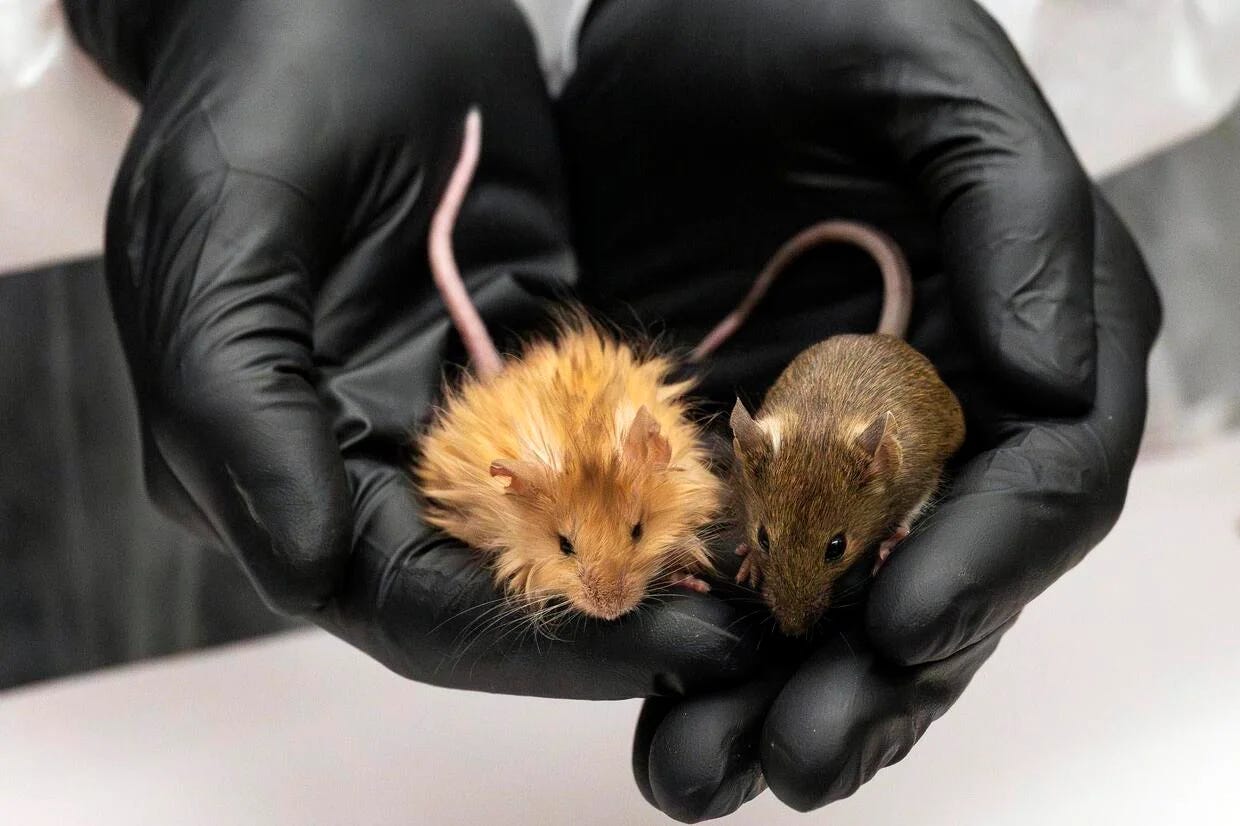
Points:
(1028, 509)
(209, 270)
(697, 758)
(846, 713)
(421, 603)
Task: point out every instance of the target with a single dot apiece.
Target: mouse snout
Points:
(607, 594)
(793, 624)
(794, 620)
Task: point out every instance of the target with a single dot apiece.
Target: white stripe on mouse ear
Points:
(773, 427)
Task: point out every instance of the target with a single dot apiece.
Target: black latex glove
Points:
(697, 141)
(266, 259)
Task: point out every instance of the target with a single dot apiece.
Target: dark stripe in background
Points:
(90, 573)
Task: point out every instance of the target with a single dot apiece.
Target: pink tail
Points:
(444, 269)
(897, 283)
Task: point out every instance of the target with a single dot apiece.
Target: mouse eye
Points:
(637, 532)
(764, 541)
(566, 547)
(836, 547)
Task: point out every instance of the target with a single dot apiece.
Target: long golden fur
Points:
(577, 469)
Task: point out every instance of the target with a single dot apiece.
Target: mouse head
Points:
(817, 503)
(612, 518)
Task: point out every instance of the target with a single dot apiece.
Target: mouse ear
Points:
(752, 442)
(645, 444)
(881, 447)
(517, 477)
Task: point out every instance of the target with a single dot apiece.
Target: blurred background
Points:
(1132, 662)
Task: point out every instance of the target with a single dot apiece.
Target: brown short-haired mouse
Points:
(846, 450)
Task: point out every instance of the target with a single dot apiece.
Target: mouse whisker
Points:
(547, 619)
(495, 619)
(503, 613)
(745, 617)
(847, 644)
(481, 623)
(465, 611)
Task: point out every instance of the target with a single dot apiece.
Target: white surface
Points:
(1111, 701)
(63, 128)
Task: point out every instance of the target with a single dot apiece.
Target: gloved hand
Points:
(696, 143)
(266, 258)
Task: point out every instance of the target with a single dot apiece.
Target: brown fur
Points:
(581, 437)
(851, 439)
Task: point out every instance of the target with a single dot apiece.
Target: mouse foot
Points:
(750, 572)
(884, 550)
(693, 583)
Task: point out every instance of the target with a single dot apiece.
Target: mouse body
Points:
(843, 455)
(577, 468)
(574, 465)
(847, 448)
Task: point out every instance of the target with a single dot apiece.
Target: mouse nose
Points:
(606, 611)
(607, 597)
(793, 623)
(608, 606)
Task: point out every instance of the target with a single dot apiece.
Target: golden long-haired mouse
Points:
(574, 466)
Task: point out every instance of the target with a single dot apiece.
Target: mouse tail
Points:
(897, 279)
(444, 270)
(897, 282)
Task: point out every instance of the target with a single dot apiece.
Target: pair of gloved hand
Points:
(266, 260)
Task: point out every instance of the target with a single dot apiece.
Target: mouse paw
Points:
(749, 572)
(693, 583)
(884, 550)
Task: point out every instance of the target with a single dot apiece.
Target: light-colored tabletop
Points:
(1113, 700)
